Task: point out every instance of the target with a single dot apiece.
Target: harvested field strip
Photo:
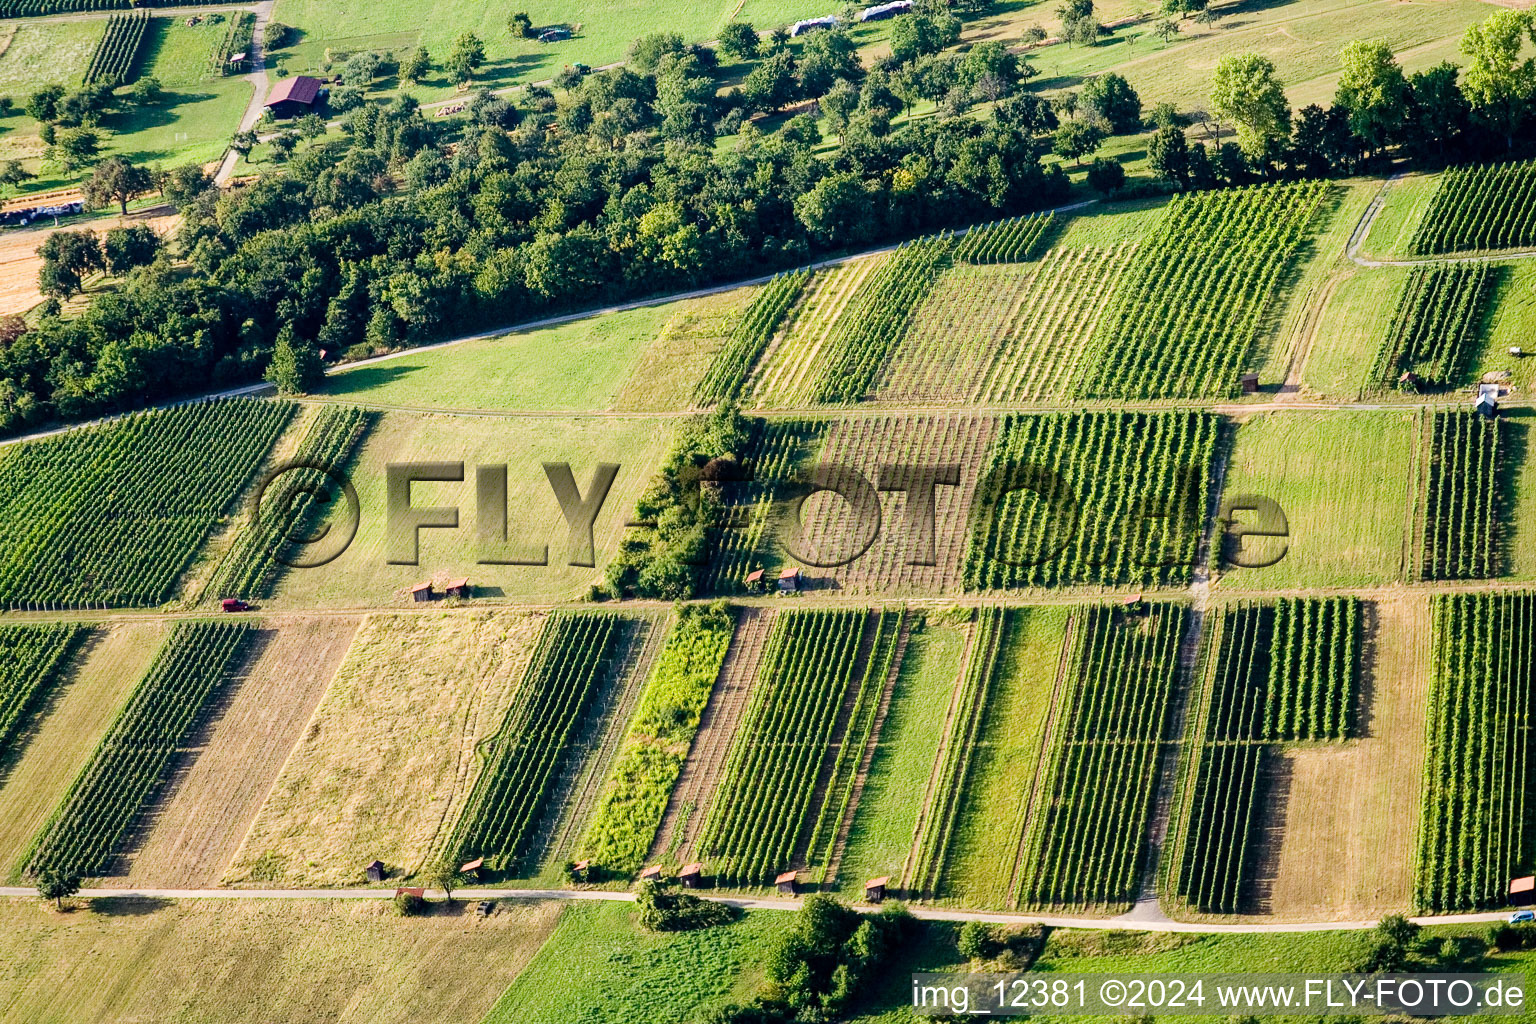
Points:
(783, 376)
(762, 807)
(1461, 524)
(139, 747)
(1475, 829)
(1077, 521)
(1086, 843)
(514, 790)
(1038, 358)
(728, 701)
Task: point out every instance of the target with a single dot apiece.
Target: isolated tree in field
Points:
(646, 52)
(1496, 81)
(146, 92)
(1166, 29)
(310, 127)
(1374, 91)
(520, 24)
(295, 368)
(283, 145)
(1106, 177)
(1182, 7)
(67, 257)
(444, 876)
(771, 84)
(274, 36)
(74, 148)
(466, 57)
(1168, 154)
(117, 180)
(1246, 91)
(738, 40)
(360, 69)
(243, 143)
(183, 185)
(1207, 16)
(1078, 138)
(56, 885)
(12, 173)
(1112, 96)
(126, 248)
(43, 104)
(416, 66)
(1084, 31)
(918, 35)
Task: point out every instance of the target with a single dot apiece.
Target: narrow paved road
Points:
(257, 76)
(1124, 921)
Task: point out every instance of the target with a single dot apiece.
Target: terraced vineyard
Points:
(138, 749)
(1187, 314)
(635, 797)
(295, 506)
(110, 516)
(1462, 507)
(512, 793)
(1004, 241)
(948, 785)
(762, 810)
(745, 539)
(1475, 829)
(116, 60)
(1085, 846)
(1488, 206)
(727, 375)
(1438, 325)
(32, 658)
(860, 340)
(1280, 672)
(1102, 497)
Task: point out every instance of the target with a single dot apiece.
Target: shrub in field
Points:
(522, 760)
(635, 797)
(1086, 847)
(1482, 206)
(1097, 497)
(1462, 505)
(138, 749)
(1475, 825)
(110, 516)
(664, 909)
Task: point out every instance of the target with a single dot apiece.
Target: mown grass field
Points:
(600, 966)
(1407, 200)
(232, 961)
(884, 825)
(1345, 482)
(389, 758)
(35, 54)
(363, 577)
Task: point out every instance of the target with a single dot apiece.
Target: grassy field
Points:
(40, 53)
(600, 966)
(1351, 330)
(640, 360)
(1344, 482)
(389, 757)
(196, 828)
(1512, 324)
(362, 576)
(886, 820)
(67, 730)
(228, 961)
(1004, 763)
(1407, 199)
